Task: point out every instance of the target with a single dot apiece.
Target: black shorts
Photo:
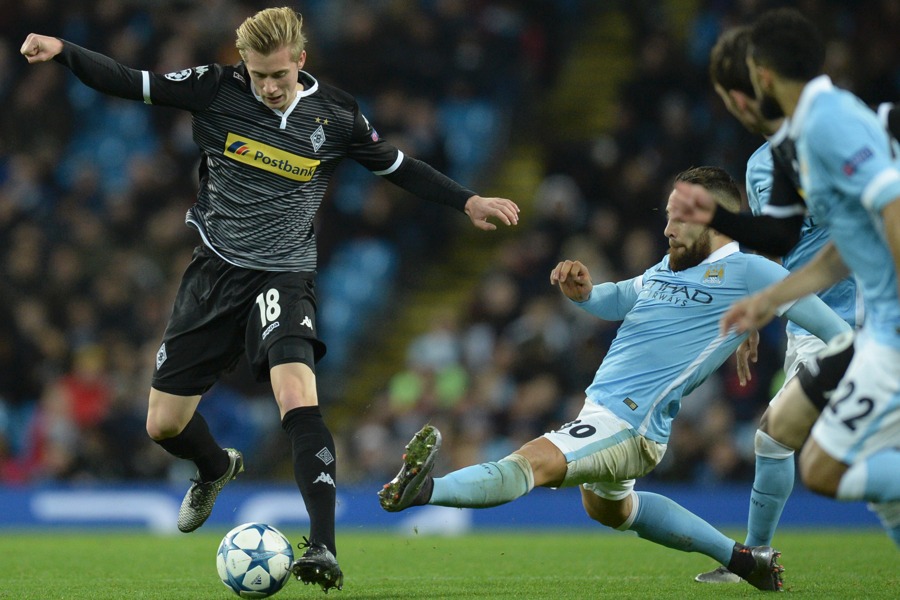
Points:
(222, 310)
(821, 377)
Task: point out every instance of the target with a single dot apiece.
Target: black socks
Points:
(742, 562)
(314, 470)
(196, 443)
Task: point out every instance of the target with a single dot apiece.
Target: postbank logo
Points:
(269, 158)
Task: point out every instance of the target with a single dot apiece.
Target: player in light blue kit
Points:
(667, 345)
(786, 423)
(851, 177)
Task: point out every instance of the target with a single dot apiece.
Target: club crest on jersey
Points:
(317, 138)
(715, 275)
(269, 158)
(179, 75)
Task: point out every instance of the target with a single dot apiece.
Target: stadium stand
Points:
(581, 115)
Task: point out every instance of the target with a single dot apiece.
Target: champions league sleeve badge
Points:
(179, 75)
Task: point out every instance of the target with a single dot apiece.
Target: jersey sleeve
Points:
(808, 312)
(777, 210)
(816, 317)
(190, 89)
(759, 179)
(413, 175)
(369, 149)
(612, 301)
(762, 272)
(764, 233)
(856, 154)
(784, 200)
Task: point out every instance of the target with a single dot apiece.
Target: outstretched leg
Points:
(174, 424)
(665, 522)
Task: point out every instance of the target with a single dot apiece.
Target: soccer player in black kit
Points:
(271, 137)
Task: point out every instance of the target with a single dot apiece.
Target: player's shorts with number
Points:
(222, 310)
(863, 414)
(604, 452)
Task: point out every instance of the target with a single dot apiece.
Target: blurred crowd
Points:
(515, 362)
(93, 192)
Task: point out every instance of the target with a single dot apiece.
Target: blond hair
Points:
(270, 30)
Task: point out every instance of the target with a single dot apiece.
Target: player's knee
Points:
(770, 447)
(816, 477)
(294, 386)
(291, 398)
(772, 430)
(163, 424)
(159, 429)
(815, 483)
(605, 512)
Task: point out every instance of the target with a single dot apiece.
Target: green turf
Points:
(92, 566)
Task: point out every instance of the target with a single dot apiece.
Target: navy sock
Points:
(314, 470)
(196, 443)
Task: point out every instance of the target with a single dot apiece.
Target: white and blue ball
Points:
(254, 560)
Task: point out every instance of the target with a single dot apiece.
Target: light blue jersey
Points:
(841, 297)
(849, 173)
(669, 341)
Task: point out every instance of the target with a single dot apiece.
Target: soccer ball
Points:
(254, 560)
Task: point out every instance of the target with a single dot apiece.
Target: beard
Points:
(769, 108)
(681, 257)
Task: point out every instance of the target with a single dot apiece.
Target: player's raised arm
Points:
(691, 203)
(768, 234)
(191, 91)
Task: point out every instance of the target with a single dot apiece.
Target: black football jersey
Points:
(264, 172)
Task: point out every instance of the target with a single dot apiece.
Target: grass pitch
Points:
(546, 565)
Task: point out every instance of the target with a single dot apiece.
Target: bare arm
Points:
(774, 236)
(691, 203)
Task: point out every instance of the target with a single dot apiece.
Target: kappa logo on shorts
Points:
(161, 356)
(307, 321)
